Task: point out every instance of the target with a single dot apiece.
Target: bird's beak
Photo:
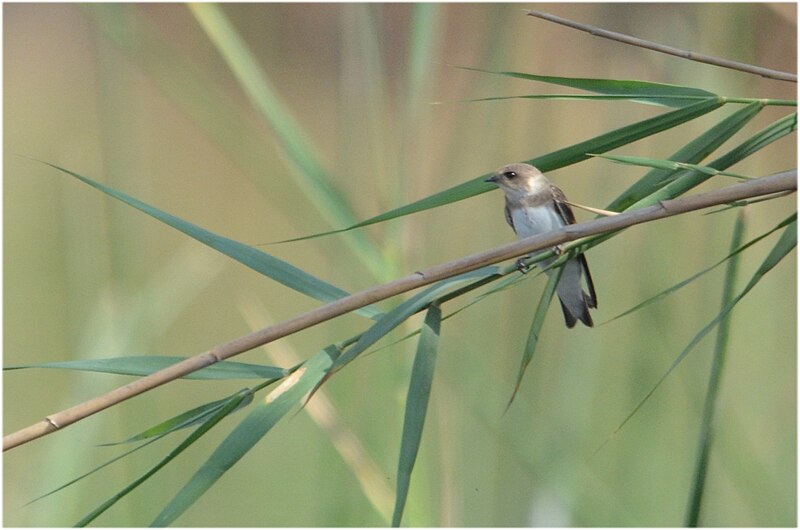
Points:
(492, 179)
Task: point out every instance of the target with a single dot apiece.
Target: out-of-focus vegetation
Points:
(138, 97)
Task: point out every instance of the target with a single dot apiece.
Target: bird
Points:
(534, 205)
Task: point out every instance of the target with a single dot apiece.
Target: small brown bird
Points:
(535, 206)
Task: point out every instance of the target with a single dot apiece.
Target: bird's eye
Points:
(509, 174)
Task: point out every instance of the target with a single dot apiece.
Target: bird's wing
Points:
(562, 208)
(509, 219)
(565, 212)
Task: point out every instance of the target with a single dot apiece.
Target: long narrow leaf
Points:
(579, 97)
(422, 41)
(96, 469)
(398, 315)
(756, 142)
(740, 204)
(203, 99)
(187, 419)
(631, 97)
(670, 165)
(147, 364)
(231, 405)
(640, 91)
(419, 391)
(181, 421)
(791, 219)
(692, 178)
(501, 286)
(263, 417)
(706, 428)
(693, 152)
(536, 328)
(785, 244)
(255, 82)
(557, 159)
(259, 261)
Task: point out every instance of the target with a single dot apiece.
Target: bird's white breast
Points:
(529, 221)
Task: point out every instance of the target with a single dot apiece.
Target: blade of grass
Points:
(425, 20)
(228, 124)
(692, 178)
(181, 421)
(398, 315)
(739, 204)
(785, 244)
(258, 87)
(718, 362)
(536, 328)
(230, 406)
(261, 419)
(187, 419)
(639, 91)
(419, 390)
(502, 284)
(557, 159)
(693, 152)
(669, 165)
(631, 97)
(147, 364)
(270, 266)
(791, 219)
(98, 468)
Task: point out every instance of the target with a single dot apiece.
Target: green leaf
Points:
(557, 159)
(263, 417)
(209, 104)
(98, 468)
(785, 244)
(419, 391)
(740, 204)
(147, 364)
(422, 41)
(640, 91)
(398, 315)
(232, 404)
(704, 442)
(154, 434)
(502, 284)
(692, 178)
(669, 165)
(278, 270)
(299, 149)
(536, 327)
(181, 421)
(791, 219)
(693, 152)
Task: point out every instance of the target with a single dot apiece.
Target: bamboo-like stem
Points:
(780, 182)
(685, 54)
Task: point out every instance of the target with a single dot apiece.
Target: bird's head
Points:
(519, 180)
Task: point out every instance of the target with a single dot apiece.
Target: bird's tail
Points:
(575, 302)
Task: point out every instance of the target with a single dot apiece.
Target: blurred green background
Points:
(137, 97)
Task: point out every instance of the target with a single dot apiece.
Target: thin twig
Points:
(785, 181)
(692, 56)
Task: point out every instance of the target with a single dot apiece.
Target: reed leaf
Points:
(419, 391)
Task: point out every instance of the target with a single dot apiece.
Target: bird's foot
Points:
(522, 266)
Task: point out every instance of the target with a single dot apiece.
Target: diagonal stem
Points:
(785, 181)
(685, 54)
